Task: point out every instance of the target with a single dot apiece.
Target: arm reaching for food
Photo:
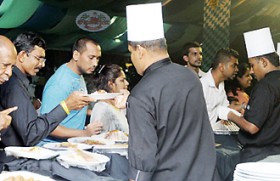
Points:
(94, 128)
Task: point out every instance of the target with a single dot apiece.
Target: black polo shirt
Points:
(263, 110)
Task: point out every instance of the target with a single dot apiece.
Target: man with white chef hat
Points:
(259, 133)
(170, 134)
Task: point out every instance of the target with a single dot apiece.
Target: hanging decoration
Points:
(93, 21)
(216, 24)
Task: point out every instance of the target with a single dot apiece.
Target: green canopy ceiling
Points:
(55, 20)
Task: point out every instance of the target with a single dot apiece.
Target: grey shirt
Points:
(170, 134)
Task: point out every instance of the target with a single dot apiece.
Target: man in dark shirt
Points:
(27, 128)
(259, 133)
(8, 55)
(170, 137)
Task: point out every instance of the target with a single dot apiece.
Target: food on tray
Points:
(20, 178)
(34, 152)
(67, 145)
(121, 145)
(34, 149)
(83, 159)
(83, 156)
(96, 140)
(116, 135)
(23, 176)
(93, 142)
(224, 122)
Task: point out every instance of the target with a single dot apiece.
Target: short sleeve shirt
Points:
(263, 110)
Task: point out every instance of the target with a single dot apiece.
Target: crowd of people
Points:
(168, 115)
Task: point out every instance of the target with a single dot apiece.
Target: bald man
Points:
(8, 56)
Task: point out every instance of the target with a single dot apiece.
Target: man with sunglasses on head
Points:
(68, 78)
(27, 128)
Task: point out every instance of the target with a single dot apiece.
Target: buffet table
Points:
(228, 155)
(227, 149)
(115, 170)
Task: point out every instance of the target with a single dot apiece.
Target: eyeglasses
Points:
(101, 68)
(40, 59)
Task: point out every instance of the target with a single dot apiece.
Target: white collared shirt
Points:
(200, 72)
(214, 96)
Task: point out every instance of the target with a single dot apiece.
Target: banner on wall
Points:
(216, 21)
(93, 21)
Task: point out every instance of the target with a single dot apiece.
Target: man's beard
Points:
(194, 65)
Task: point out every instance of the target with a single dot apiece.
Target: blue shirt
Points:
(58, 88)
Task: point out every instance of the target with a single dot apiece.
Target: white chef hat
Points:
(259, 42)
(144, 22)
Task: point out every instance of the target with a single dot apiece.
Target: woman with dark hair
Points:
(236, 87)
(111, 112)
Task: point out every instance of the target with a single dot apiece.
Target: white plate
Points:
(30, 152)
(95, 162)
(25, 174)
(67, 146)
(112, 147)
(102, 96)
(103, 135)
(90, 141)
(245, 177)
(116, 148)
(270, 169)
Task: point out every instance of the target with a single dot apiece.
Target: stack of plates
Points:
(257, 171)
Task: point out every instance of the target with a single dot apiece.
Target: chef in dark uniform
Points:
(170, 134)
(259, 133)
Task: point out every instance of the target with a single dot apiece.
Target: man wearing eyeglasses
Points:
(27, 128)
